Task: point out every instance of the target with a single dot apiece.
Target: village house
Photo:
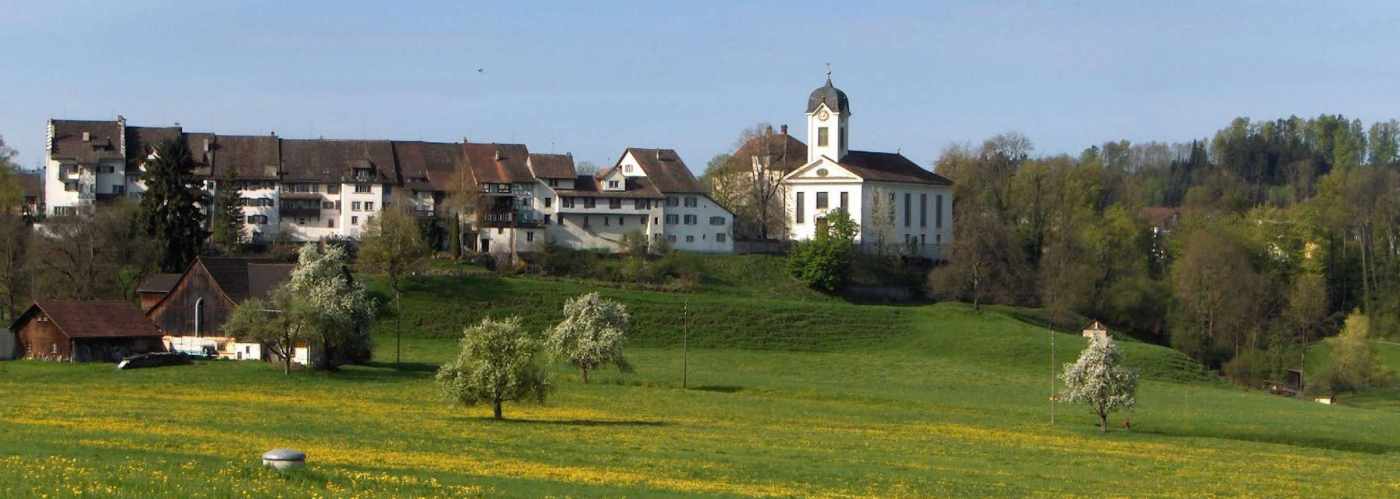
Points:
(154, 287)
(302, 190)
(901, 207)
(84, 331)
(193, 310)
(527, 200)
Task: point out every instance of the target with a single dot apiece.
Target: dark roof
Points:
(250, 156)
(142, 140)
(243, 278)
(889, 167)
(93, 319)
(158, 283)
(428, 166)
(586, 186)
(666, 170)
(786, 151)
(552, 165)
(104, 141)
(31, 184)
(833, 97)
(498, 163)
(321, 160)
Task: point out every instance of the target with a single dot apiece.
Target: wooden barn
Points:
(199, 302)
(85, 331)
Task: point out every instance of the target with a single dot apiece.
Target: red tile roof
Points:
(498, 163)
(94, 319)
(552, 165)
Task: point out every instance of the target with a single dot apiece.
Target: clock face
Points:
(823, 115)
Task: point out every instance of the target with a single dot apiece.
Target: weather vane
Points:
(828, 71)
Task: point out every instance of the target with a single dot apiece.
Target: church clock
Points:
(823, 115)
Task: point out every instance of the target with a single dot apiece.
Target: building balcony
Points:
(495, 220)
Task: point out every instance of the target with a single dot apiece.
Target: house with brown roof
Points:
(84, 331)
(751, 181)
(901, 207)
(196, 306)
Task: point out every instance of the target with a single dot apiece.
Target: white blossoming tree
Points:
(591, 334)
(499, 362)
(1099, 380)
(342, 310)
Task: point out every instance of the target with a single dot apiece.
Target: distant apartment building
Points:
(312, 189)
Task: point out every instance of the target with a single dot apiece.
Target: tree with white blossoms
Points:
(1099, 380)
(591, 334)
(499, 362)
(341, 309)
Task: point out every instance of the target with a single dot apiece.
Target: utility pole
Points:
(685, 344)
(1050, 328)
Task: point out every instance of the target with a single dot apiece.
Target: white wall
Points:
(702, 236)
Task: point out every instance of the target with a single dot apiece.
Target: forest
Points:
(1239, 249)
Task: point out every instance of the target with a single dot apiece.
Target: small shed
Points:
(85, 331)
(1095, 329)
(155, 287)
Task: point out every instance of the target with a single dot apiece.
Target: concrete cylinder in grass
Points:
(284, 459)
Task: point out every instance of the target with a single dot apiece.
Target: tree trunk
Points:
(1103, 421)
(398, 326)
(584, 373)
(496, 408)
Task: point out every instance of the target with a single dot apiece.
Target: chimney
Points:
(206, 144)
(784, 129)
(498, 154)
(274, 133)
(87, 136)
(658, 155)
(769, 130)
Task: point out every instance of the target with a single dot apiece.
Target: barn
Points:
(154, 288)
(193, 308)
(84, 331)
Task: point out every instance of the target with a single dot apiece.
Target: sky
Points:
(595, 77)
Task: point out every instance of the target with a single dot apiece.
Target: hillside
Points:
(787, 397)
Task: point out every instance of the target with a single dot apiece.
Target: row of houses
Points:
(311, 189)
(182, 312)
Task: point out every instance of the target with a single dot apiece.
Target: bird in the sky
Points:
(481, 70)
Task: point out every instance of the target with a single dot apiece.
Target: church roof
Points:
(889, 167)
(833, 97)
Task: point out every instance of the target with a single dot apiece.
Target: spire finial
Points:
(828, 72)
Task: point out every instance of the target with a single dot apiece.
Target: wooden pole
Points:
(685, 344)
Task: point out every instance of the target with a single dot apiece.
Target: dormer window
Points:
(613, 184)
(363, 174)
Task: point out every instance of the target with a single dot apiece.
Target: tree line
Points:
(1237, 250)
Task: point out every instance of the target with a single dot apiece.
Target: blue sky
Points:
(595, 77)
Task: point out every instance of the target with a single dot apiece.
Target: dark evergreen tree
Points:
(226, 224)
(172, 207)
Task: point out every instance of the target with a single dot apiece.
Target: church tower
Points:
(828, 122)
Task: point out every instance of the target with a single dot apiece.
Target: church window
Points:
(845, 201)
(800, 208)
(844, 144)
(938, 211)
(907, 210)
(821, 201)
(923, 209)
(822, 137)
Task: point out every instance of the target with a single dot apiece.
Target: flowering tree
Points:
(591, 334)
(1098, 379)
(499, 362)
(278, 322)
(341, 308)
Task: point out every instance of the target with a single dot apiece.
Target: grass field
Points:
(787, 397)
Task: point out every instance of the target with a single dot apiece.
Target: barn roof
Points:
(244, 278)
(158, 283)
(92, 319)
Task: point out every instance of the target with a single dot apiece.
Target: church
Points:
(902, 208)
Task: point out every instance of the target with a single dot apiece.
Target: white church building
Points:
(902, 208)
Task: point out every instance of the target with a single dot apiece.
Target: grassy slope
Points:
(1383, 398)
(932, 400)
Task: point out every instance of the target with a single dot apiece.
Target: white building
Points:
(528, 200)
(901, 207)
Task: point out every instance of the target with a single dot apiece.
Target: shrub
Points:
(825, 262)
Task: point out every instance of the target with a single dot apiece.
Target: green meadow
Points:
(784, 392)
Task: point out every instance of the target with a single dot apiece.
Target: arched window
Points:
(199, 317)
